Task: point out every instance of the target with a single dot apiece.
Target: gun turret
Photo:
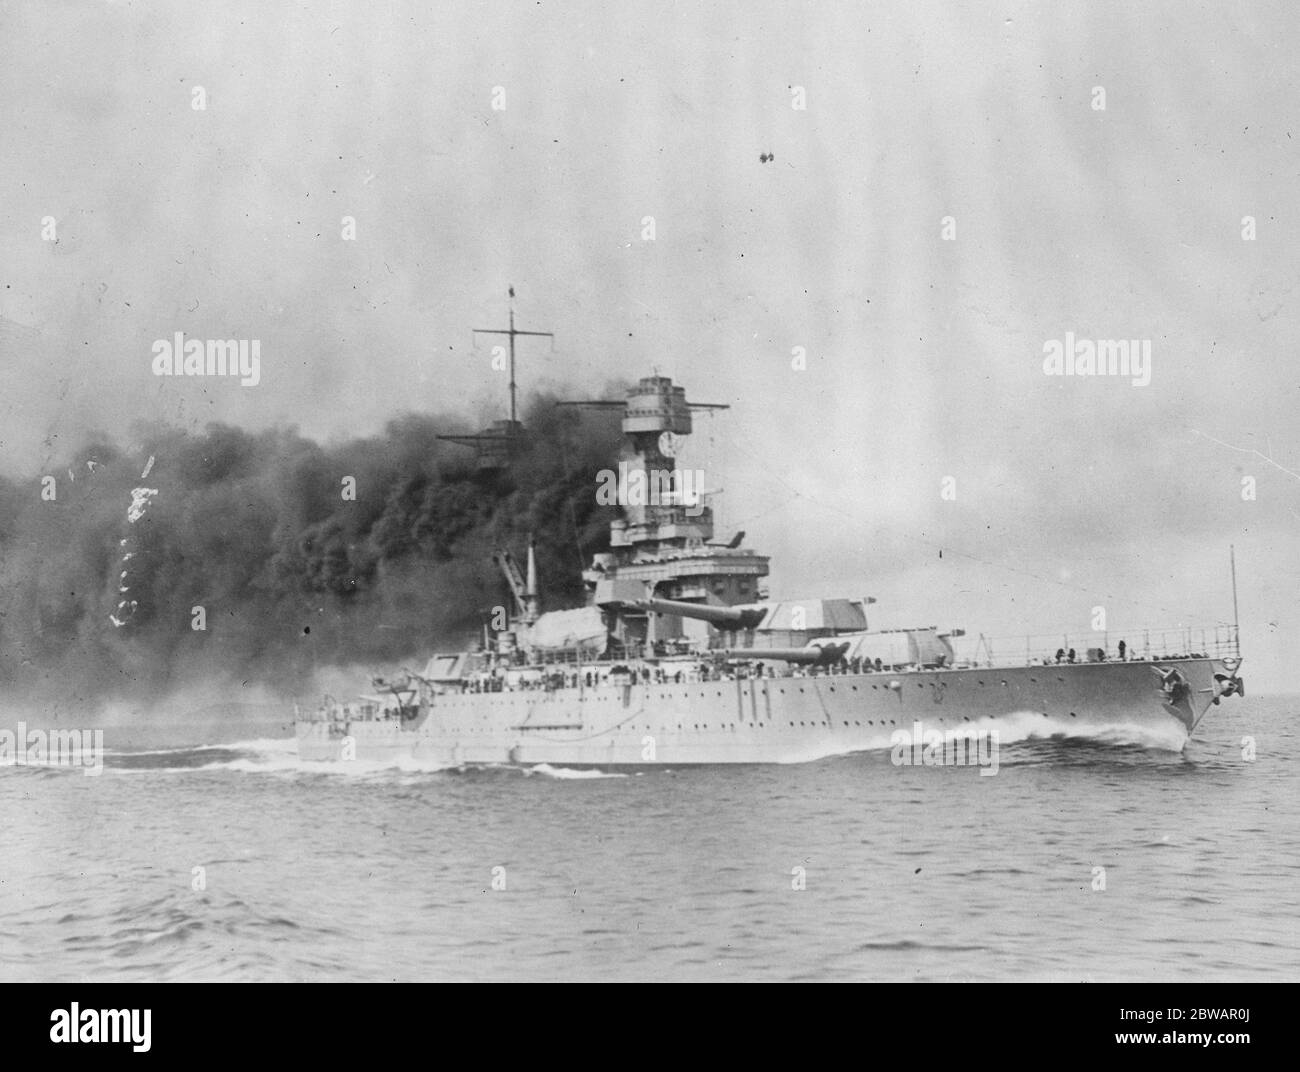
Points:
(823, 654)
(731, 618)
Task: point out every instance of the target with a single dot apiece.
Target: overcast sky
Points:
(924, 356)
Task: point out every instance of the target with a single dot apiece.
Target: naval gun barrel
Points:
(816, 655)
(726, 617)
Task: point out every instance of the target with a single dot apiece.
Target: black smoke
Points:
(292, 576)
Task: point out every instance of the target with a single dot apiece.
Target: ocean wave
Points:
(1029, 726)
(287, 745)
(1018, 727)
(568, 772)
(272, 755)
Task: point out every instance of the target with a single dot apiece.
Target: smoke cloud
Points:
(292, 576)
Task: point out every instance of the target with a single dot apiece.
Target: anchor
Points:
(1173, 685)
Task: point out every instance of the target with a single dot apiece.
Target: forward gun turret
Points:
(815, 654)
(730, 618)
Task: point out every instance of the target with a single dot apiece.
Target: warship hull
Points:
(778, 719)
(674, 658)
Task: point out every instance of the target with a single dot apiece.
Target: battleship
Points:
(679, 657)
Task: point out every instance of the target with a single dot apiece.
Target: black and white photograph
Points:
(770, 491)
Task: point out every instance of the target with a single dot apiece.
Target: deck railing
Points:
(1215, 641)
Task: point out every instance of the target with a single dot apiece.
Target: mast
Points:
(1236, 623)
(497, 443)
(512, 332)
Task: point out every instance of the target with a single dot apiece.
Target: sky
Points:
(872, 301)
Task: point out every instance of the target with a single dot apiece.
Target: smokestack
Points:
(530, 586)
